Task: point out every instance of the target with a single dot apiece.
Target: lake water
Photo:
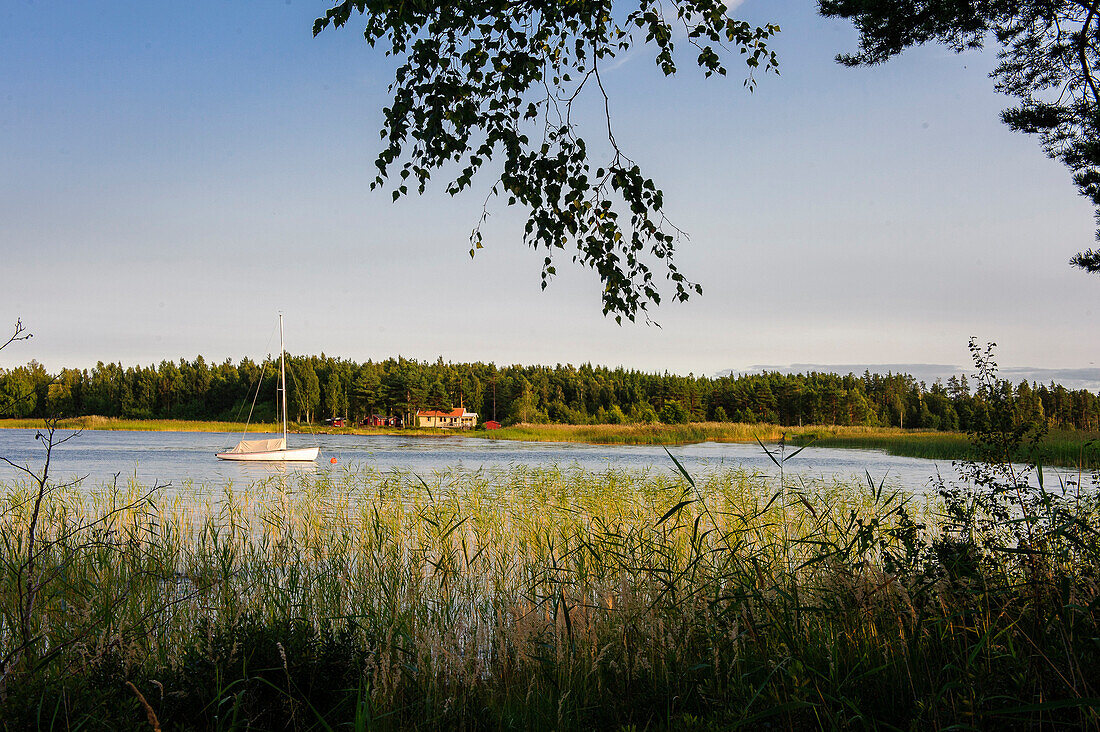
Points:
(181, 457)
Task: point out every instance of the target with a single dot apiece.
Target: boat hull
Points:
(301, 454)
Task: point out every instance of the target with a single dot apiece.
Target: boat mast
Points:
(282, 372)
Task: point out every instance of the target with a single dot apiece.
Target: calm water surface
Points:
(188, 457)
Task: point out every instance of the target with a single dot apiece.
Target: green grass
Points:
(542, 598)
(680, 434)
(95, 422)
(909, 443)
(1059, 448)
(635, 434)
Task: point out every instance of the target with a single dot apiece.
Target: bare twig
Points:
(19, 334)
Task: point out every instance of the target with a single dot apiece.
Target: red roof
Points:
(435, 413)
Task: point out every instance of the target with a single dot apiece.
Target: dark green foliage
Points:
(250, 675)
(303, 389)
(564, 393)
(18, 397)
(1048, 50)
(673, 413)
(485, 83)
(95, 696)
(270, 676)
(1088, 260)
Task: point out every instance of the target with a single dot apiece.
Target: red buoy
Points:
(333, 461)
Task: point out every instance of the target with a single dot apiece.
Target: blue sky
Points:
(174, 174)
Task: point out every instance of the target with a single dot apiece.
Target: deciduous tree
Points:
(492, 85)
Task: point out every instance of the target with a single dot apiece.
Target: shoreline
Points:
(114, 424)
(1062, 449)
(599, 434)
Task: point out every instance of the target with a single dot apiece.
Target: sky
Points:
(174, 174)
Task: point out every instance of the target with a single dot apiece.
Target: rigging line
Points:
(258, 383)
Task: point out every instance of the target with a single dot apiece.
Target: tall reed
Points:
(544, 598)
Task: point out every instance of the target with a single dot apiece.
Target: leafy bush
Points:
(673, 413)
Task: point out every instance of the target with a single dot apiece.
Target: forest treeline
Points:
(321, 386)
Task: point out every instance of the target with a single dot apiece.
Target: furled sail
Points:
(249, 446)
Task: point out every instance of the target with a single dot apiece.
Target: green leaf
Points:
(679, 467)
(675, 509)
(767, 452)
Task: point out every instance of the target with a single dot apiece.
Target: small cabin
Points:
(492, 424)
(336, 422)
(458, 419)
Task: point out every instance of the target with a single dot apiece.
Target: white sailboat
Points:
(274, 450)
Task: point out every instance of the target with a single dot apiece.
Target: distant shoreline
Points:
(599, 434)
(114, 424)
(1064, 448)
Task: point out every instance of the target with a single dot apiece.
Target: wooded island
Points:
(321, 387)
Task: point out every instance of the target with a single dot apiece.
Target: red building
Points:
(378, 420)
(492, 425)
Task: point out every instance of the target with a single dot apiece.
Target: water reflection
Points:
(186, 459)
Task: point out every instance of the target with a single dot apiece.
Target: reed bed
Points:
(1067, 449)
(906, 443)
(637, 434)
(1062, 448)
(540, 598)
(95, 422)
(692, 432)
